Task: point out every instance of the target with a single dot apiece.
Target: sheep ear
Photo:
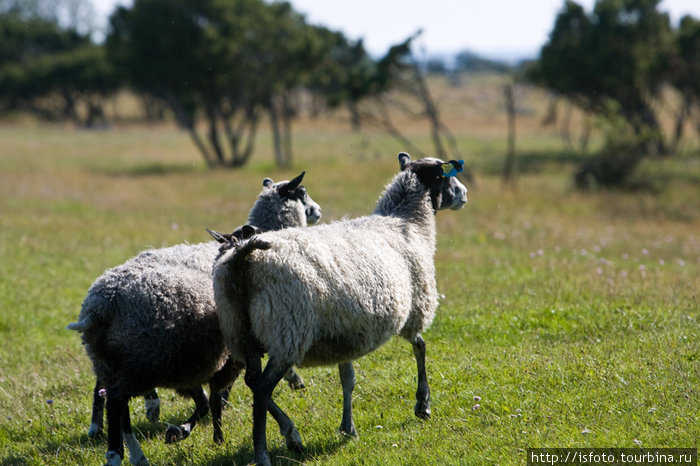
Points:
(289, 187)
(267, 183)
(244, 232)
(247, 232)
(294, 184)
(217, 236)
(404, 160)
(429, 173)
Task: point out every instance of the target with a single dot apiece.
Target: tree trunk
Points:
(680, 121)
(384, 121)
(185, 120)
(214, 140)
(200, 145)
(431, 111)
(276, 136)
(642, 118)
(565, 128)
(552, 114)
(585, 134)
(509, 164)
(355, 118)
(252, 119)
(245, 130)
(287, 139)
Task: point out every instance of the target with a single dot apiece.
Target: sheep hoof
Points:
(295, 382)
(422, 409)
(218, 437)
(176, 433)
(113, 458)
(294, 442)
(351, 432)
(95, 431)
(140, 460)
(262, 459)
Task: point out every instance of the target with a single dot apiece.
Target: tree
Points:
(49, 69)
(181, 51)
(620, 52)
(71, 15)
(370, 88)
(297, 51)
(686, 70)
(352, 78)
(346, 76)
(509, 163)
(221, 60)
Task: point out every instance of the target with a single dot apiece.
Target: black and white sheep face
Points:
(454, 194)
(293, 191)
(446, 191)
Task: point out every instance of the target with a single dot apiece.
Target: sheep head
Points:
(293, 191)
(440, 178)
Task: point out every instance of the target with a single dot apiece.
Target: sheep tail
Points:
(81, 325)
(96, 309)
(240, 268)
(240, 265)
(246, 248)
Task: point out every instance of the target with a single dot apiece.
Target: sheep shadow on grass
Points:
(279, 453)
(57, 445)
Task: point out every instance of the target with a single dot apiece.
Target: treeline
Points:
(615, 62)
(225, 65)
(52, 70)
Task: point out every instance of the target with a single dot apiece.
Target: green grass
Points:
(573, 317)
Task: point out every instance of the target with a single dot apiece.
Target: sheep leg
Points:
(287, 428)
(422, 408)
(219, 387)
(117, 405)
(294, 380)
(347, 380)
(98, 406)
(262, 383)
(181, 432)
(253, 373)
(136, 455)
(152, 405)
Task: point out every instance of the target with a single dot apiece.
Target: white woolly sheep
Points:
(150, 322)
(333, 293)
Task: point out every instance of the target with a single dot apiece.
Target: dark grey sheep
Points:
(150, 322)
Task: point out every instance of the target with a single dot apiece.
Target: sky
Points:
(499, 29)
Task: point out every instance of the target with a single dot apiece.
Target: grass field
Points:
(568, 319)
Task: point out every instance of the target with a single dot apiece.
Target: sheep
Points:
(268, 212)
(151, 322)
(333, 293)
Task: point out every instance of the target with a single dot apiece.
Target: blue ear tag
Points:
(452, 167)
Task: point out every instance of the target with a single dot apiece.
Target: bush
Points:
(621, 154)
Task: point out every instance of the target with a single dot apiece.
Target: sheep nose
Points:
(459, 201)
(313, 215)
